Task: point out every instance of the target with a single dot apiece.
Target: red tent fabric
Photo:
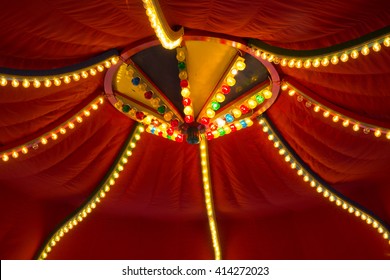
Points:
(156, 210)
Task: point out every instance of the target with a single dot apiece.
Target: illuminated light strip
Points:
(169, 39)
(224, 86)
(320, 187)
(53, 134)
(141, 85)
(24, 81)
(335, 116)
(184, 84)
(162, 132)
(209, 198)
(216, 132)
(93, 202)
(324, 59)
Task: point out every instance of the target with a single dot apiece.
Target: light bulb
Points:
(365, 50)
(25, 83)
(325, 61)
(334, 60)
(376, 47)
(344, 57)
(15, 83)
(57, 82)
(47, 83)
(354, 54)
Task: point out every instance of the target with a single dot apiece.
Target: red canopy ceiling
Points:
(156, 209)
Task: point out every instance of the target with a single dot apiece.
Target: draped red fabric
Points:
(156, 209)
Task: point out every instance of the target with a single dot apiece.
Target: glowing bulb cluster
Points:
(168, 38)
(343, 56)
(209, 199)
(336, 117)
(48, 81)
(53, 134)
(140, 85)
(220, 127)
(224, 87)
(92, 203)
(184, 84)
(320, 188)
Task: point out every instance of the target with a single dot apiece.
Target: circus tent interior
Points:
(207, 129)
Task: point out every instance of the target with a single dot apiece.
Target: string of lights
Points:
(325, 59)
(335, 116)
(20, 79)
(96, 199)
(209, 198)
(317, 185)
(169, 39)
(53, 134)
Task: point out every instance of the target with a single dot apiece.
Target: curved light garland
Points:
(169, 39)
(320, 187)
(335, 116)
(184, 84)
(323, 57)
(19, 79)
(93, 202)
(53, 134)
(209, 198)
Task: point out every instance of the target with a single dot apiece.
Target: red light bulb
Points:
(175, 123)
(225, 89)
(209, 135)
(188, 119)
(140, 115)
(186, 101)
(204, 120)
(179, 138)
(233, 127)
(244, 109)
(170, 131)
(184, 83)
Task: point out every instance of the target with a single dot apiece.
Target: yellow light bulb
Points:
(325, 61)
(15, 83)
(76, 77)
(67, 80)
(3, 82)
(84, 74)
(79, 119)
(298, 64)
(335, 118)
(47, 83)
(24, 150)
(230, 81)
(15, 154)
(57, 82)
(252, 103)
(386, 42)
(114, 60)
(356, 127)
(87, 113)
(234, 71)
(346, 123)
(334, 60)
(365, 50)
(62, 130)
(283, 62)
(107, 64)
(291, 92)
(54, 136)
(388, 135)
(236, 113)
(94, 106)
(220, 97)
(26, 83)
(326, 114)
(317, 108)
(238, 125)
(316, 62)
(344, 57)
(307, 63)
(284, 86)
(100, 68)
(92, 71)
(267, 94)
(168, 116)
(71, 125)
(291, 63)
(376, 47)
(185, 92)
(240, 65)
(188, 110)
(43, 141)
(378, 133)
(210, 113)
(354, 54)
